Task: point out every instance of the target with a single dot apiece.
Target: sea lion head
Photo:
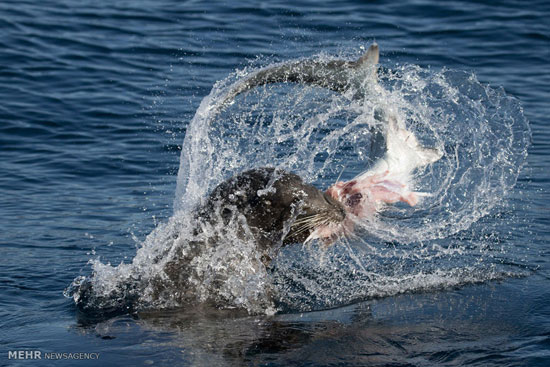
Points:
(319, 215)
(278, 207)
(298, 210)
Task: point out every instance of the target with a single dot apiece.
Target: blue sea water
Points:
(95, 101)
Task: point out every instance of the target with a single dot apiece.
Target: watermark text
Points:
(37, 354)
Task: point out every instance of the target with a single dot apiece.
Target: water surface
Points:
(95, 102)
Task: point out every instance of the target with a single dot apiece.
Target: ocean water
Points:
(100, 103)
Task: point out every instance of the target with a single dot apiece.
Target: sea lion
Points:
(269, 206)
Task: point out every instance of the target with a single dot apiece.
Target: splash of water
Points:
(320, 135)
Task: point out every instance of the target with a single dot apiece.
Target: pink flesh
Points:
(363, 197)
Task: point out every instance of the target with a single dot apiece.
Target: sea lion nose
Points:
(339, 210)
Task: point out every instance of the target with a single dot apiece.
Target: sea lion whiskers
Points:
(310, 223)
(306, 223)
(305, 218)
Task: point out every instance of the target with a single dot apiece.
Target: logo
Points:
(36, 354)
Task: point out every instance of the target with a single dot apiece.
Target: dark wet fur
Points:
(270, 200)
